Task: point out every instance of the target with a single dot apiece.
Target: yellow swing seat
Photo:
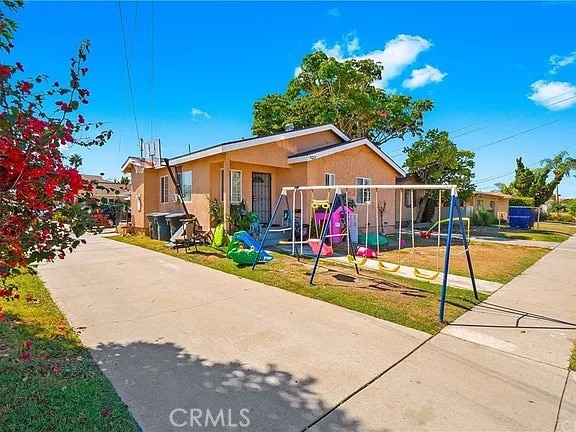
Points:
(351, 260)
(420, 274)
(393, 269)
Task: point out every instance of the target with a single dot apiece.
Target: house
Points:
(498, 202)
(253, 171)
(104, 191)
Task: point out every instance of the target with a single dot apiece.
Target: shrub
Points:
(483, 218)
(521, 202)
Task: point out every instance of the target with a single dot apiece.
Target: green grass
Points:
(59, 388)
(547, 232)
(407, 302)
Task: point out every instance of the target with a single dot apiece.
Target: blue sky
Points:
(197, 68)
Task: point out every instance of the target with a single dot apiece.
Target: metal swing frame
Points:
(454, 212)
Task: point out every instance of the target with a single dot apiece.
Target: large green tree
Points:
(436, 159)
(327, 90)
(540, 183)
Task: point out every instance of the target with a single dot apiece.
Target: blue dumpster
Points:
(521, 217)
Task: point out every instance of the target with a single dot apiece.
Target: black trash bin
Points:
(175, 222)
(152, 226)
(162, 226)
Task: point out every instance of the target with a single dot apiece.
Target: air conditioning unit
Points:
(176, 198)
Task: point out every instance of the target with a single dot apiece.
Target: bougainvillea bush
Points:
(41, 217)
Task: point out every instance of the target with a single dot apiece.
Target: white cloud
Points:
(353, 45)
(397, 55)
(335, 12)
(554, 95)
(335, 51)
(195, 112)
(558, 62)
(424, 76)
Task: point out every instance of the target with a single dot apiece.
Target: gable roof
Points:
(320, 152)
(255, 141)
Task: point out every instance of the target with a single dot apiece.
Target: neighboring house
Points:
(498, 202)
(254, 171)
(105, 190)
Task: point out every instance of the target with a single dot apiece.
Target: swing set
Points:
(322, 211)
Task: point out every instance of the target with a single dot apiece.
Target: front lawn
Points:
(547, 232)
(412, 303)
(48, 381)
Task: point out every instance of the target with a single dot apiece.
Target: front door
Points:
(262, 195)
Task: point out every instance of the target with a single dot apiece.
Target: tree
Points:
(125, 180)
(75, 161)
(534, 183)
(435, 159)
(342, 93)
(40, 218)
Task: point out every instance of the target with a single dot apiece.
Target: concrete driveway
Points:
(185, 345)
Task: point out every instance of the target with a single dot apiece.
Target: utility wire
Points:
(152, 74)
(128, 70)
(522, 132)
(127, 89)
(399, 151)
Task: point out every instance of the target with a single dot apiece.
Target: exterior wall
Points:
(500, 203)
(347, 166)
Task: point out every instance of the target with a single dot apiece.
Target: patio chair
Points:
(193, 235)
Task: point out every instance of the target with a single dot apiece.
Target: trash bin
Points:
(521, 217)
(152, 227)
(163, 228)
(174, 222)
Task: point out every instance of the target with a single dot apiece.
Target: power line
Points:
(488, 179)
(521, 132)
(398, 152)
(127, 89)
(128, 70)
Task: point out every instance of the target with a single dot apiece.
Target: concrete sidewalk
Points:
(173, 337)
(501, 366)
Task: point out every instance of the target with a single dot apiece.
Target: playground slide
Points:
(244, 237)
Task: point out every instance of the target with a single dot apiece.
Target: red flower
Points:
(46, 357)
(26, 356)
(5, 71)
(28, 343)
(19, 66)
(80, 118)
(105, 412)
(25, 87)
(57, 369)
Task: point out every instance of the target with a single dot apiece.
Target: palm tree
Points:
(561, 166)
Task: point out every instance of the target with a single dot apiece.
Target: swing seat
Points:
(420, 274)
(392, 269)
(426, 234)
(351, 260)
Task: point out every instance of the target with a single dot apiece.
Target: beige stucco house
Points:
(498, 202)
(255, 170)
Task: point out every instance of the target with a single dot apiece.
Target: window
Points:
(480, 204)
(329, 179)
(184, 179)
(493, 205)
(221, 184)
(363, 195)
(164, 189)
(235, 187)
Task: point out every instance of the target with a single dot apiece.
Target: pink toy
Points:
(402, 243)
(366, 252)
